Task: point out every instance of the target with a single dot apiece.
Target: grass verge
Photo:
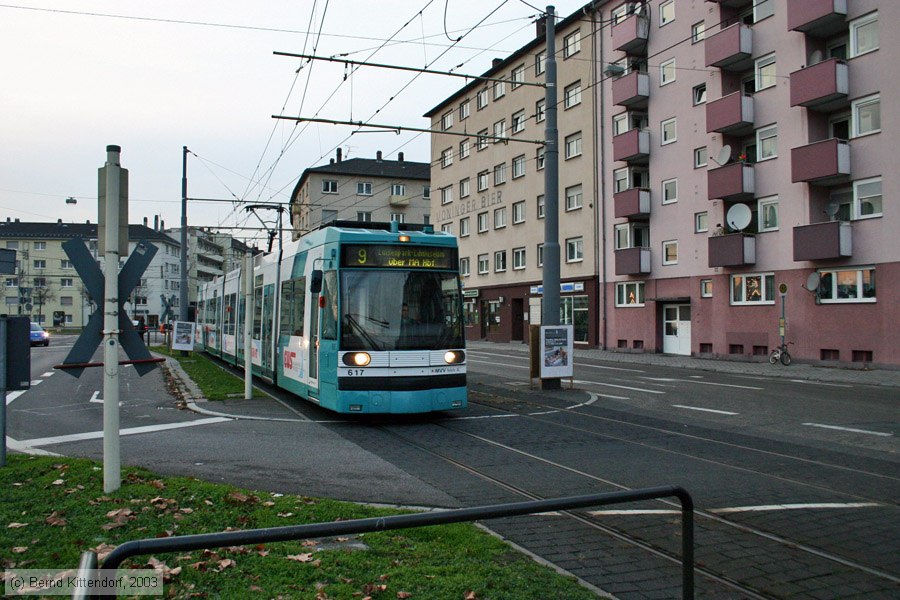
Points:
(214, 381)
(52, 509)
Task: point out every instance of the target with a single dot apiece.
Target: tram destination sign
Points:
(398, 257)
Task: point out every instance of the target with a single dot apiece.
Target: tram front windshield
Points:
(400, 310)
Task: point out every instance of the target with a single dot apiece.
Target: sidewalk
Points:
(807, 372)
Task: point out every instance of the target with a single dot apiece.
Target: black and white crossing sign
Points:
(90, 338)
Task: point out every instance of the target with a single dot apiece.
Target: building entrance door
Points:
(677, 329)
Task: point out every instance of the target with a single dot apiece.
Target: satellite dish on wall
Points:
(738, 217)
(832, 209)
(815, 58)
(812, 282)
(723, 156)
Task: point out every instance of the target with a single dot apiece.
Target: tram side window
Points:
(230, 313)
(329, 318)
(201, 311)
(299, 305)
(257, 313)
(285, 320)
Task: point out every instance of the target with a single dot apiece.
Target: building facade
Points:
(740, 164)
(361, 189)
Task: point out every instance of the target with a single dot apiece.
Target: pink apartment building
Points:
(731, 162)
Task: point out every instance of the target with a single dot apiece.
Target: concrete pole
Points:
(183, 292)
(112, 478)
(3, 391)
(551, 277)
(248, 325)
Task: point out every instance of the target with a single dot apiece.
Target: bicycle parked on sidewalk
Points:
(781, 353)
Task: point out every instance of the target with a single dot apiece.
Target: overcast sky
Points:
(153, 77)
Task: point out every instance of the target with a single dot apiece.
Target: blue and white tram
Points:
(356, 317)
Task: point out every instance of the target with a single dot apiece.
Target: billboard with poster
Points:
(183, 335)
(557, 359)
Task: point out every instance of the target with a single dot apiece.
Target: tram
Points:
(356, 317)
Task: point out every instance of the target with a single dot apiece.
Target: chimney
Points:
(155, 222)
(378, 156)
(541, 25)
(339, 155)
(331, 162)
(87, 221)
(400, 157)
(162, 225)
(145, 221)
(496, 63)
(59, 221)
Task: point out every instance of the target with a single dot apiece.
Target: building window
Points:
(572, 44)
(699, 94)
(574, 250)
(670, 252)
(518, 122)
(573, 145)
(764, 71)
(864, 35)
(447, 228)
(364, 188)
(767, 143)
(447, 195)
(446, 157)
(867, 198)
(540, 63)
(329, 186)
(447, 120)
(754, 288)
(464, 149)
(464, 266)
(666, 12)
(698, 32)
(768, 214)
(518, 166)
(398, 218)
(667, 72)
(39, 246)
(398, 189)
(518, 212)
(518, 259)
(573, 197)
(464, 227)
(866, 115)
(464, 190)
(846, 285)
(669, 131)
(483, 264)
(540, 255)
(670, 191)
(500, 174)
(40, 264)
(12, 245)
(481, 141)
(66, 264)
(364, 216)
(482, 181)
(500, 261)
(700, 158)
(499, 131)
(464, 110)
(482, 222)
(701, 222)
(572, 95)
(539, 110)
(481, 99)
(630, 293)
(499, 89)
(706, 288)
(539, 158)
(500, 218)
(39, 282)
(540, 206)
(518, 76)
(426, 192)
(66, 282)
(631, 235)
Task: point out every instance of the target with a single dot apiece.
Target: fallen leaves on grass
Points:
(17, 525)
(54, 520)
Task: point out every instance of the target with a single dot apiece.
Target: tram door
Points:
(268, 326)
(313, 359)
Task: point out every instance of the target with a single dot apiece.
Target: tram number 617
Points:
(354, 372)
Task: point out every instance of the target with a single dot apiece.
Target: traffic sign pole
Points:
(112, 476)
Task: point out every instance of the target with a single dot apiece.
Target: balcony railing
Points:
(818, 18)
(821, 163)
(630, 34)
(731, 48)
(732, 114)
(394, 200)
(632, 261)
(632, 146)
(823, 241)
(731, 182)
(822, 87)
(733, 250)
(632, 90)
(632, 204)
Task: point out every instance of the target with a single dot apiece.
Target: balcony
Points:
(395, 200)
(630, 35)
(731, 3)
(823, 241)
(733, 250)
(821, 163)
(632, 90)
(632, 204)
(818, 18)
(632, 261)
(731, 114)
(822, 87)
(731, 48)
(731, 182)
(632, 146)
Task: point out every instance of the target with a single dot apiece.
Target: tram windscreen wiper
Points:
(354, 324)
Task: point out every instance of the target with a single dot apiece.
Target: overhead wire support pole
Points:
(412, 69)
(183, 292)
(399, 128)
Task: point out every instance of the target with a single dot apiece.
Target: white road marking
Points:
(546, 412)
(742, 387)
(581, 381)
(96, 435)
(95, 398)
(48, 374)
(637, 511)
(486, 417)
(10, 396)
(850, 429)
(718, 412)
(624, 387)
(593, 398)
(811, 505)
(841, 385)
(36, 381)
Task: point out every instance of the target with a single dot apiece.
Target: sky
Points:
(154, 77)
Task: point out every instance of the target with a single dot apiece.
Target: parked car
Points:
(140, 325)
(39, 337)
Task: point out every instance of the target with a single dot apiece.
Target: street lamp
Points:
(71, 200)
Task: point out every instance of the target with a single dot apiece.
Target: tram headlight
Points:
(357, 359)
(452, 357)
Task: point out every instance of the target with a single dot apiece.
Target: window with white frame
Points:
(482, 181)
(752, 289)
(573, 145)
(398, 189)
(518, 259)
(867, 198)
(40, 246)
(573, 197)
(666, 12)
(620, 180)
(620, 13)
(464, 227)
(670, 191)
(630, 293)
(500, 261)
(464, 187)
(620, 123)
(500, 174)
(426, 192)
(499, 131)
(540, 206)
(518, 166)
(572, 95)
(670, 252)
(700, 157)
(572, 44)
(574, 250)
(447, 194)
(540, 255)
(864, 34)
(398, 217)
(481, 99)
(447, 120)
(447, 228)
(499, 89)
(767, 213)
(66, 264)
(464, 266)
(465, 149)
(767, 143)
(483, 264)
(518, 212)
(482, 222)
(518, 76)
(329, 186)
(364, 216)
(364, 188)
(668, 131)
(446, 157)
(698, 32)
(539, 114)
(500, 217)
(540, 63)
(40, 264)
(481, 141)
(631, 235)
(465, 108)
(667, 72)
(706, 288)
(699, 94)
(866, 115)
(701, 222)
(764, 72)
(539, 158)
(846, 285)
(518, 122)
(66, 282)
